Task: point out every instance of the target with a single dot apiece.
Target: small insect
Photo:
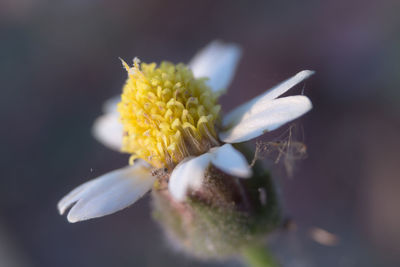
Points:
(283, 148)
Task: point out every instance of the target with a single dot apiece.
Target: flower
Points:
(168, 119)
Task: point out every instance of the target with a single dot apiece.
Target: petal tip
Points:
(217, 61)
(245, 173)
(304, 74)
(221, 44)
(248, 174)
(109, 131)
(307, 103)
(177, 193)
(60, 209)
(73, 219)
(188, 175)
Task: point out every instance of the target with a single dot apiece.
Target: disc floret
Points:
(167, 114)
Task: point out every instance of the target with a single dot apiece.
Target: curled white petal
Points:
(217, 61)
(258, 103)
(230, 161)
(188, 174)
(273, 115)
(108, 193)
(108, 130)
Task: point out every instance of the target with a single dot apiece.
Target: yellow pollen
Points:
(167, 114)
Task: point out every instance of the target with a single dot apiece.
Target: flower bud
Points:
(221, 218)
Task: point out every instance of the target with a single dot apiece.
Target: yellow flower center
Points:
(166, 113)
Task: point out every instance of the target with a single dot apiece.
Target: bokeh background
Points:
(59, 63)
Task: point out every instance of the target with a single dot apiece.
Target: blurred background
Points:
(59, 63)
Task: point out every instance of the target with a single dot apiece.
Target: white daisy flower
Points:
(168, 118)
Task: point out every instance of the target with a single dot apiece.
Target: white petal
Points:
(108, 130)
(258, 103)
(274, 114)
(108, 193)
(188, 174)
(110, 105)
(218, 62)
(230, 161)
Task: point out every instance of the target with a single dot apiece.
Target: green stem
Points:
(258, 256)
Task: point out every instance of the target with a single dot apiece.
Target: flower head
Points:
(167, 114)
(168, 117)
